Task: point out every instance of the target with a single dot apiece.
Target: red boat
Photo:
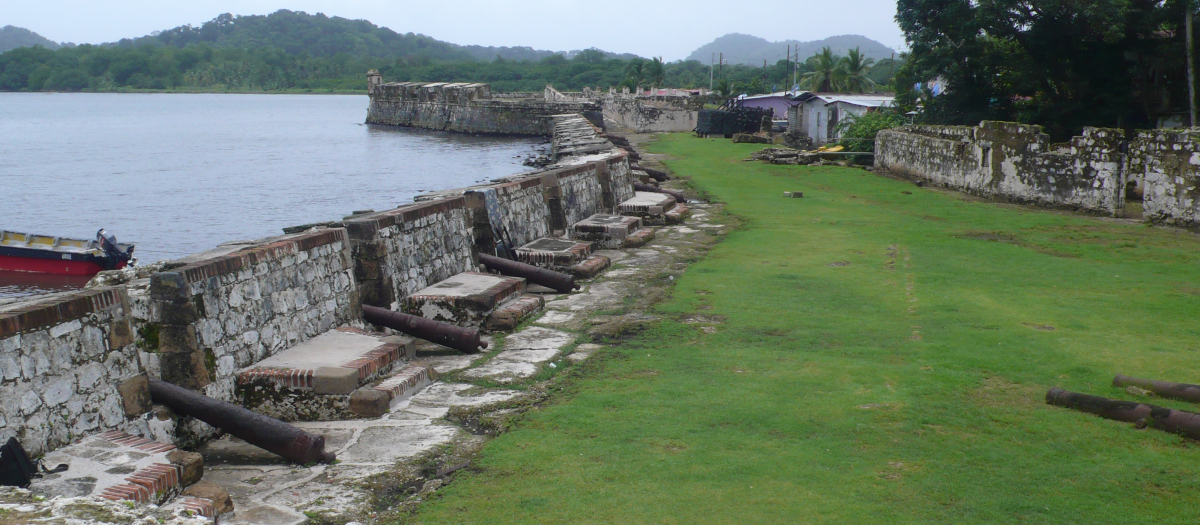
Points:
(23, 252)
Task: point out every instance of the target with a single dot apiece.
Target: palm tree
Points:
(853, 70)
(654, 71)
(635, 72)
(824, 76)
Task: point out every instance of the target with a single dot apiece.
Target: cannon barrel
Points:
(560, 282)
(267, 433)
(679, 197)
(1182, 391)
(464, 340)
(660, 176)
(1180, 422)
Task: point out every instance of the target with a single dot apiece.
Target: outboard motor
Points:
(108, 243)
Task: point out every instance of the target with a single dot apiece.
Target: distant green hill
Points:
(12, 37)
(318, 35)
(751, 50)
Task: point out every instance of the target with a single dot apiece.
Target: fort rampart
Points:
(468, 108)
(1013, 162)
(1092, 172)
(78, 363)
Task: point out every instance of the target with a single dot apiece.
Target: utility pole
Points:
(1191, 64)
(796, 68)
(721, 66)
(711, 71)
(892, 71)
(789, 66)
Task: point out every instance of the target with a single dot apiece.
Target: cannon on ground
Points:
(560, 282)
(267, 433)
(462, 339)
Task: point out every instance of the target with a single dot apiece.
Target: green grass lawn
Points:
(884, 359)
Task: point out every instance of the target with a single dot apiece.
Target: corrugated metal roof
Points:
(869, 100)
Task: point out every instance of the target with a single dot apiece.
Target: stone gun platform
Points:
(492, 302)
(612, 231)
(651, 207)
(564, 255)
(117, 466)
(319, 379)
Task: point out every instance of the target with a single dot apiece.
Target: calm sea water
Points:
(177, 174)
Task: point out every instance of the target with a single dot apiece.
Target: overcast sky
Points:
(671, 29)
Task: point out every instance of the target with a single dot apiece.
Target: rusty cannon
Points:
(660, 176)
(1182, 422)
(616, 139)
(267, 433)
(1181, 391)
(679, 197)
(464, 340)
(560, 282)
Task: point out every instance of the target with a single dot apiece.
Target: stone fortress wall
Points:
(650, 114)
(1165, 164)
(79, 362)
(65, 363)
(1014, 162)
(1091, 172)
(468, 108)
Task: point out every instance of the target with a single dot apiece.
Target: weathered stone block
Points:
(135, 396)
(509, 315)
(222, 503)
(591, 267)
(191, 465)
(368, 402)
(331, 380)
(407, 345)
(120, 334)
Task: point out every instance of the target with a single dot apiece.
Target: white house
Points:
(816, 115)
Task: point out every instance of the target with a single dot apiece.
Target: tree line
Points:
(296, 51)
(1062, 64)
(203, 66)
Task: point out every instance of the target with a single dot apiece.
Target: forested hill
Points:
(296, 51)
(12, 37)
(297, 32)
(751, 50)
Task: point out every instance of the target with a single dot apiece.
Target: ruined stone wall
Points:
(219, 314)
(65, 363)
(582, 193)
(1013, 162)
(620, 176)
(79, 363)
(468, 108)
(643, 116)
(523, 210)
(397, 252)
(1165, 163)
